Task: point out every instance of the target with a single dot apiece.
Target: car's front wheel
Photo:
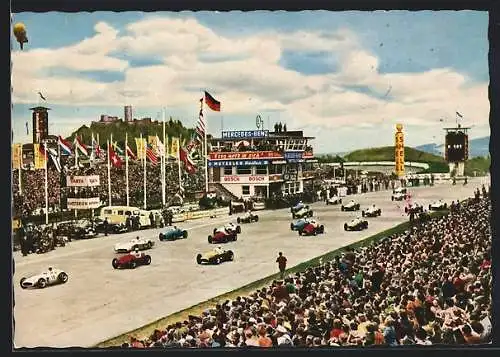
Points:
(161, 236)
(114, 263)
(133, 264)
(345, 226)
(185, 234)
(230, 256)
(147, 260)
(62, 277)
(256, 218)
(238, 229)
(210, 239)
(21, 283)
(238, 220)
(42, 283)
(342, 208)
(198, 259)
(322, 229)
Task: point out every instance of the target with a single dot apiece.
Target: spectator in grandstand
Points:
(428, 285)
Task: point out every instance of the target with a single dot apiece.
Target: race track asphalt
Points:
(99, 302)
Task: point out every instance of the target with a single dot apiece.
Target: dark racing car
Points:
(131, 261)
(312, 228)
(173, 233)
(223, 236)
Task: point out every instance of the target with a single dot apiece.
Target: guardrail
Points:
(421, 165)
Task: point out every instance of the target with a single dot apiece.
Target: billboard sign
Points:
(245, 155)
(399, 151)
(245, 134)
(84, 203)
(222, 163)
(83, 181)
(252, 179)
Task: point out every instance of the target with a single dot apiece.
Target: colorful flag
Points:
(117, 148)
(130, 153)
(167, 148)
(212, 102)
(17, 156)
(113, 158)
(139, 144)
(160, 147)
(153, 143)
(65, 145)
(188, 162)
(81, 146)
(40, 156)
(55, 159)
(151, 154)
(200, 125)
(175, 148)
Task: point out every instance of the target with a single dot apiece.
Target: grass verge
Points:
(197, 309)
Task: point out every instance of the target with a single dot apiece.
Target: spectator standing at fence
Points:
(105, 224)
(281, 260)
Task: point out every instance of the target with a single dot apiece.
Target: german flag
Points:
(212, 102)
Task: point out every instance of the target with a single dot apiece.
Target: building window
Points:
(245, 190)
(228, 170)
(244, 171)
(276, 169)
(261, 170)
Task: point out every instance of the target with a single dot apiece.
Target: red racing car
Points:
(312, 228)
(223, 236)
(131, 261)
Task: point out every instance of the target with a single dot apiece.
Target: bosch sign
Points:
(245, 179)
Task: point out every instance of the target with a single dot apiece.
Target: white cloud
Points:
(244, 72)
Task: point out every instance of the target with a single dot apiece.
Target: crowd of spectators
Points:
(32, 199)
(429, 285)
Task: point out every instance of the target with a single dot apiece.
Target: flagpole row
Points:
(46, 184)
(109, 172)
(126, 169)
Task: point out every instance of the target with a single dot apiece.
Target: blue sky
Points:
(324, 72)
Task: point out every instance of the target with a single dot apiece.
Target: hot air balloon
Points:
(20, 34)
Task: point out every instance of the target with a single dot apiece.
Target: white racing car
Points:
(230, 227)
(372, 211)
(334, 200)
(438, 205)
(356, 224)
(399, 194)
(302, 213)
(49, 277)
(350, 206)
(139, 243)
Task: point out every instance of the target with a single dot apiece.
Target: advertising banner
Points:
(17, 156)
(83, 181)
(245, 179)
(294, 156)
(84, 203)
(245, 155)
(237, 163)
(399, 151)
(39, 158)
(245, 134)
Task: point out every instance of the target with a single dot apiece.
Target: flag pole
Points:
(46, 185)
(144, 169)
(162, 160)
(205, 146)
(76, 151)
(179, 162)
(60, 174)
(109, 173)
(126, 168)
(19, 173)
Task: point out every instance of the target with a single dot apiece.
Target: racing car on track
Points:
(139, 243)
(302, 213)
(223, 236)
(438, 205)
(248, 218)
(215, 256)
(350, 206)
(299, 224)
(356, 224)
(372, 211)
(131, 261)
(414, 208)
(115, 228)
(312, 227)
(173, 233)
(230, 227)
(49, 277)
(399, 194)
(334, 200)
(297, 207)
